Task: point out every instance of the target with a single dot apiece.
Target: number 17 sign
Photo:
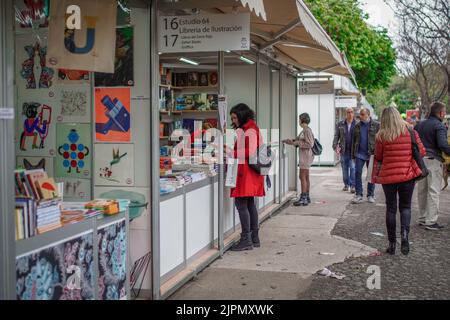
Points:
(197, 33)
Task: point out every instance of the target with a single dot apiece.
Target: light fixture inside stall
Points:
(246, 60)
(189, 61)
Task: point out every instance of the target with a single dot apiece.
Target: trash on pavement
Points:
(377, 234)
(328, 273)
(375, 254)
(327, 253)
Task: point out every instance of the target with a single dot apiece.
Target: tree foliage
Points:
(369, 50)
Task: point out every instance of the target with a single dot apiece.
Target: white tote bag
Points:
(232, 169)
(370, 169)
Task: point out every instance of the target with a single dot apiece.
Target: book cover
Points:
(192, 79)
(33, 176)
(47, 188)
(213, 78)
(203, 79)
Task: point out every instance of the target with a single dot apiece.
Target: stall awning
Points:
(285, 27)
(292, 30)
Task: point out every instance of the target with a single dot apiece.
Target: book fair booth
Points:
(111, 184)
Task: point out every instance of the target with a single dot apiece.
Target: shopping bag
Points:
(370, 169)
(232, 169)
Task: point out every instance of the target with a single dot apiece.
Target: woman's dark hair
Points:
(243, 113)
(304, 118)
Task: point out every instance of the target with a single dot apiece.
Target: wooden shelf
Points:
(165, 85)
(164, 137)
(169, 112)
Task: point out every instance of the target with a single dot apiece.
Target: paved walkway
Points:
(295, 244)
(331, 233)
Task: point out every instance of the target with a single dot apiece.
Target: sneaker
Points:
(435, 226)
(371, 199)
(345, 188)
(353, 190)
(357, 199)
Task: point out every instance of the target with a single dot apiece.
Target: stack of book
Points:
(48, 215)
(37, 205)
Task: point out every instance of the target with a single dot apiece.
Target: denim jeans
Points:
(348, 170)
(359, 165)
(405, 191)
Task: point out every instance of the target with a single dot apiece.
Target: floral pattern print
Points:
(45, 275)
(112, 243)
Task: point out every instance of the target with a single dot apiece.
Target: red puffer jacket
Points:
(397, 163)
(248, 183)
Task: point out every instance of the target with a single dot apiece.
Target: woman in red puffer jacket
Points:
(396, 170)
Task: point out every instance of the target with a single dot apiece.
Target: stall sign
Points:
(345, 102)
(206, 32)
(316, 87)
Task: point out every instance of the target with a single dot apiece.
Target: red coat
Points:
(248, 183)
(397, 163)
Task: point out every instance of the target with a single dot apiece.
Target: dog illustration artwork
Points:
(35, 67)
(74, 153)
(37, 122)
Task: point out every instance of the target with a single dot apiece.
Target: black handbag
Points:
(417, 156)
(317, 148)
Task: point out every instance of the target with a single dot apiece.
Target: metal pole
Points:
(221, 192)
(7, 223)
(154, 175)
(296, 114)
(281, 153)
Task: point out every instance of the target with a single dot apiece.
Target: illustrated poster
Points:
(35, 129)
(32, 163)
(74, 103)
(114, 164)
(123, 62)
(112, 115)
(74, 150)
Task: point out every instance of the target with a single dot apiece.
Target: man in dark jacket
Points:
(362, 148)
(342, 144)
(433, 134)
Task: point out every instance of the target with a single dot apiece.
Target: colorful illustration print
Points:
(62, 272)
(37, 122)
(74, 151)
(123, 63)
(34, 67)
(116, 165)
(112, 246)
(112, 114)
(73, 75)
(34, 14)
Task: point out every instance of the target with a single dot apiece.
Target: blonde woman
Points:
(396, 170)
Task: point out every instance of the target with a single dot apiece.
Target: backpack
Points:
(317, 148)
(261, 162)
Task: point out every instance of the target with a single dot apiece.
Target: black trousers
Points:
(403, 191)
(248, 214)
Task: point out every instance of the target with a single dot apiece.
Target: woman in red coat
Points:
(396, 170)
(249, 183)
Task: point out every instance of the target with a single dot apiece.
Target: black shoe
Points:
(308, 199)
(435, 226)
(302, 201)
(391, 248)
(245, 243)
(345, 188)
(405, 243)
(255, 239)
